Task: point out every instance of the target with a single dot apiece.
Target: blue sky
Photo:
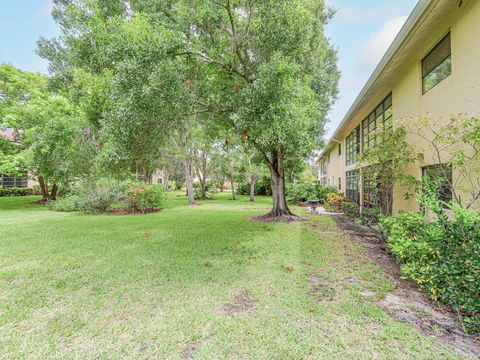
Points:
(360, 30)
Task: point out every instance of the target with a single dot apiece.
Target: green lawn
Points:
(202, 282)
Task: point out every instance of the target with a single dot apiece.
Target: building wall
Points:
(336, 167)
(458, 93)
(32, 181)
(158, 177)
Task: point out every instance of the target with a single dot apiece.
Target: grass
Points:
(198, 282)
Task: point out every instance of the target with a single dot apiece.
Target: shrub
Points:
(443, 256)
(367, 216)
(210, 192)
(105, 195)
(6, 192)
(143, 197)
(109, 195)
(262, 187)
(370, 216)
(68, 204)
(335, 200)
(322, 191)
(301, 192)
(351, 210)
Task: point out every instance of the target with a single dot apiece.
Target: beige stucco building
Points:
(432, 67)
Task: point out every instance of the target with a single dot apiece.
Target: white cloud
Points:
(376, 46)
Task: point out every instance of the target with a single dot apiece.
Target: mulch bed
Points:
(120, 212)
(288, 219)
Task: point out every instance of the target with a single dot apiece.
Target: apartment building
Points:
(432, 67)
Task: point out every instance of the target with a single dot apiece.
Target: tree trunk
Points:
(252, 189)
(43, 188)
(252, 180)
(201, 180)
(53, 193)
(230, 170)
(189, 180)
(201, 170)
(277, 181)
(166, 180)
(146, 178)
(280, 207)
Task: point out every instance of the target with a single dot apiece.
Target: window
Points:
(379, 119)
(442, 173)
(370, 193)
(12, 181)
(339, 184)
(323, 171)
(353, 146)
(160, 181)
(324, 167)
(437, 65)
(352, 190)
(339, 149)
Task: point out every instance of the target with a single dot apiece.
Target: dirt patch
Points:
(244, 303)
(288, 219)
(407, 302)
(189, 350)
(321, 290)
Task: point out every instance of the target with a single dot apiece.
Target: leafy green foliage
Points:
(351, 210)
(16, 192)
(144, 197)
(441, 254)
(210, 191)
(53, 141)
(262, 187)
(69, 203)
(106, 195)
(386, 163)
(301, 192)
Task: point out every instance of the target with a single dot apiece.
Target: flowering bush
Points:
(143, 197)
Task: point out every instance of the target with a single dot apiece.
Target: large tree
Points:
(276, 75)
(51, 142)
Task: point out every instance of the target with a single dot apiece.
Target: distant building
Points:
(13, 136)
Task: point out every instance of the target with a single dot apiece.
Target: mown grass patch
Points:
(201, 282)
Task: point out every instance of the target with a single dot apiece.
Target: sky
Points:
(361, 31)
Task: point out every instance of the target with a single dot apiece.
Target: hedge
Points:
(4, 192)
